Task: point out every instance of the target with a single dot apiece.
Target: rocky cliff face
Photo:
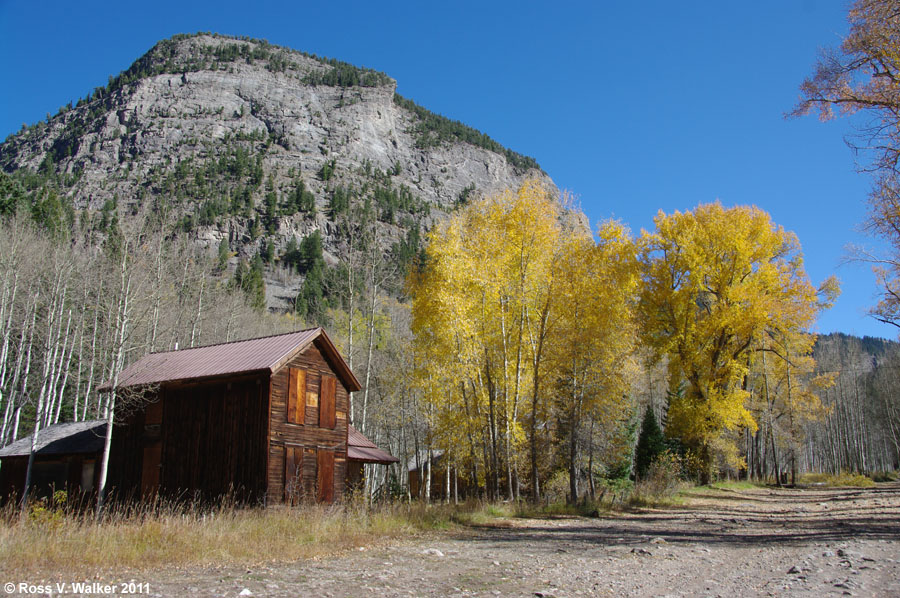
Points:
(257, 144)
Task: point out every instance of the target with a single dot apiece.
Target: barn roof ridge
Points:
(264, 353)
(242, 340)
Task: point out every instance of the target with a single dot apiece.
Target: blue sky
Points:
(633, 107)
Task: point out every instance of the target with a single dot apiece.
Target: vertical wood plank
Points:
(150, 474)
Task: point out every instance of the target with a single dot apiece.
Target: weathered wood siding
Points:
(286, 438)
(211, 442)
(12, 478)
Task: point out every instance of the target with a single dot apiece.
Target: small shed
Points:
(65, 458)
(263, 420)
(361, 450)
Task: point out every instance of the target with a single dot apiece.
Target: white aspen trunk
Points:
(350, 296)
(17, 370)
(7, 309)
(34, 443)
(7, 418)
(195, 324)
(62, 342)
(90, 377)
(428, 476)
(24, 388)
(15, 430)
(157, 296)
(49, 357)
(122, 321)
(66, 368)
(371, 331)
(504, 304)
(177, 326)
(109, 366)
(80, 371)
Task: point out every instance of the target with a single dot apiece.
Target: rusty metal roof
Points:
(268, 353)
(360, 448)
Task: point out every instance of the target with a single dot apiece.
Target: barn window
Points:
(296, 406)
(326, 402)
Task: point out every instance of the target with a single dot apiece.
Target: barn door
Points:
(325, 479)
(293, 474)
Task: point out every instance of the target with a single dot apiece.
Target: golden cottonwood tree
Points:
(717, 280)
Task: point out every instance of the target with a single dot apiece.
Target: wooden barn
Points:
(263, 420)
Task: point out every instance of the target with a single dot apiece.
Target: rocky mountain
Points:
(258, 147)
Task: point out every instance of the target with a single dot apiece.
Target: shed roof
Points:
(360, 448)
(62, 439)
(268, 353)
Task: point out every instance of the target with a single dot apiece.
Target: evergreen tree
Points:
(301, 199)
(651, 443)
(11, 194)
(311, 300)
(271, 213)
(291, 253)
(309, 254)
(340, 202)
(224, 254)
(254, 285)
(250, 281)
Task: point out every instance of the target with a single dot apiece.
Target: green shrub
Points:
(662, 482)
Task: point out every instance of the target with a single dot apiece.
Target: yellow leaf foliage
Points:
(716, 283)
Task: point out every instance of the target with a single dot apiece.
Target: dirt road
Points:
(758, 542)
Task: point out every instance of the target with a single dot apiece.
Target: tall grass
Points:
(50, 539)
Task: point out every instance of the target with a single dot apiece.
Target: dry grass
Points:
(53, 541)
(836, 480)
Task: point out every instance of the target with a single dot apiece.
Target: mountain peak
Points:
(257, 146)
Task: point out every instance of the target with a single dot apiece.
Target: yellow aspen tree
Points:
(594, 339)
(480, 310)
